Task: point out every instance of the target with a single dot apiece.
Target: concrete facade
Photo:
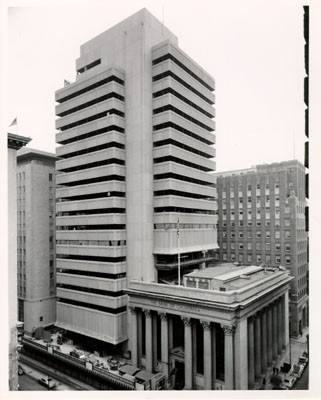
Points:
(15, 142)
(136, 147)
(211, 333)
(262, 220)
(36, 238)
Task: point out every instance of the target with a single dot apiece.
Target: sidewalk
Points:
(296, 347)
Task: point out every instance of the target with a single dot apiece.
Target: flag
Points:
(66, 82)
(177, 227)
(14, 122)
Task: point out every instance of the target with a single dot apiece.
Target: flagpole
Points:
(179, 254)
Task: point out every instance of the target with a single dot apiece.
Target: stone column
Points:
(194, 351)
(257, 346)
(280, 326)
(269, 336)
(275, 332)
(251, 370)
(264, 341)
(170, 333)
(139, 337)
(241, 355)
(154, 339)
(213, 355)
(164, 345)
(134, 342)
(286, 318)
(207, 355)
(188, 353)
(229, 356)
(148, 341)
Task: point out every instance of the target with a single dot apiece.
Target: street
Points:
(303, 382)
(28, 381)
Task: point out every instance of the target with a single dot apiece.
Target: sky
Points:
(254, 51)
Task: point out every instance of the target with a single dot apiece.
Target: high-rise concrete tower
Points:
(135, 136)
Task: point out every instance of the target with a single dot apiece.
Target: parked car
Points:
(297, 370)
(303, 361)
(289, 381)
(21, 371)
(47, 382)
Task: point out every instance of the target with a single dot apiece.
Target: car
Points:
(289, 381)
(47, 382)
(21, 371)
(303, 361)
(297, 370)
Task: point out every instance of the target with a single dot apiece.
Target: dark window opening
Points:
(180, 161)
(91, 196)
(170, 175)
(182, 146)
(179, 96)
(92, 133)
(183, 130)
(91, 290)
(92, 274)
(103, 114)
(92, 180)
(113, 260)
(91, 87)
(90, 212)
(183, 210)
(170, 192)
(91, 103)
(89, 66)
(182, 82)
(93, 149)
(92, 306)
(90, 227)
(169, 107)
(94, 165)
(169, 56)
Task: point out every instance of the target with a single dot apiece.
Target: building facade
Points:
(262, 221)
(15, 142)
(222, 330)
(36, 238)
(135, 136)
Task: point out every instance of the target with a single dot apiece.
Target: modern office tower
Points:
(36, 238)
(262, 221)
(135, 135)
(15, 142)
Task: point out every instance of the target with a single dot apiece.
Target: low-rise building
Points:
(221, 330)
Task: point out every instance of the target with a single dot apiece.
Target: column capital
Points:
(187, 321)
(163, 316)
(147, 313)
(228, 329)
(133, 310)
(206, 325)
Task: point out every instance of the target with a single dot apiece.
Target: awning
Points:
(144, 376)
(128, 369)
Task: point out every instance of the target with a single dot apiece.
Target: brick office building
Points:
(262, 221)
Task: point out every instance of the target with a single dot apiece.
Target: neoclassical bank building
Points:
(221, 329)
